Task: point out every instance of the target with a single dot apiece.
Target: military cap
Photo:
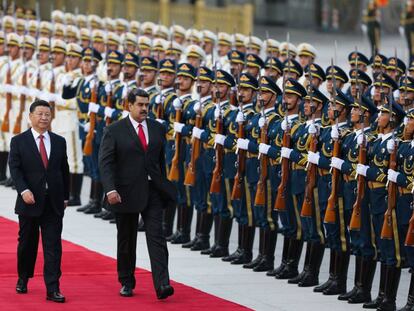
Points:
(91, 54)
(272, 46)
(225, 39)
(43, 44)
(159, 44)
(248, 81)
(32, 25)
(267, 84)
(110, 24)
(168, 65)
(45, 28)
(20, 25)
(144, 43)
(316, 71)
(1, 36)
(59, 29)
(162, 32)
(29, 42)
(317, 96)
(224, 77)
(293, 66)
(338, 72)
(195, 51)
(193, 35)
(72, 32)
(342, 99)
(174, 48)
(366, 104)
(129, 38)
(253, 42)
(148, 63)
(253, 60)
(58, 46)
(57, 16)
(406, 84)
(98, 35)
(8, 22)
(95, 22)
(81, 21)
(147, 28)
(397, 110)
(239, 40)
(187, 70)
(382, 79)
(115, 57)
(113, 38)
(361, 75)
(355, 56)
(208, 36)
(122, 24)
(294, 87)
(85, 34)
(178, 31)
(206, 74)
(285, 46)
(74, 49)
(306, 49)
(13, 39)
(377, 60)
(134, 27)
(236, 57)
(131, 59)
(274, 63)
(29, 14)
(396, 64)
(69, 18)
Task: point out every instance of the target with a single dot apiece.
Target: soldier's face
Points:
(392, 73)
(223, 49)
(113, 70)
(355, 112)
(2, 49)
(329, 83)
(305, 60)
(129, 71)
(204, 87)
(13, 51)
(130, 48)
(269, 98)
(235, 69)
(179, 39)
(246, 94)
(43, 57)
(58, 59)
(308, 107)
(377, 92)
(99, 46)
(406, 98)
(85, 43)
(272, 73)
(224, 90)
(73, 62)
(27, 53)
(383, 119)
(254, 71)
(167, 79)
(194, 61)
(148, 76)
(331, 111)
(112, 47)
(291, 100)
(87, 67)
(409, 127)
(145, 52)
(241, 48)
(184, 83)
(291, 75)
(208, 47)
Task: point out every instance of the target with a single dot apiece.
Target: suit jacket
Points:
(28, 172)
(125, 166)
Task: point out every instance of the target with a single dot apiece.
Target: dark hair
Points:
(39, 103)
(134, 93)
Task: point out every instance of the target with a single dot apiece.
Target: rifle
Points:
(280, 202)
(52, 88)
(174, 174)
(330, 214)
(109, 102)
(311, 168)
(215, 186)
(5, 126)
(260, 197)
(355, 223)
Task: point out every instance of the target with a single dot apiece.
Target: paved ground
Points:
(254, 290)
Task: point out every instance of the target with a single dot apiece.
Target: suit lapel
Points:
(151, 134)
(32, 144)
(133, 134)
(52, 149)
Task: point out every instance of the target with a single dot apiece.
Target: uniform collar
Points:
(384, 137)
(164, 91)
(309, 122)
(205, 98)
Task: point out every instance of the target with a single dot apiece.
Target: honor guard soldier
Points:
(273, 68)
(407, 26)
(147, 77)
(224, 44)
(317, 78)
(253, 44)
(357, 59)
(284, 48)
(239, 42)
(271, 47)
(178, 33)
(395, 68)
(209, 44)
(254, 64)
(372, 26)
(307, 54)
(364, 82)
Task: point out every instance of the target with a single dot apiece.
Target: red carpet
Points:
(89, 282)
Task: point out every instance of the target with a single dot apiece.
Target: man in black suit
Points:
(132, 166)
(39, 168)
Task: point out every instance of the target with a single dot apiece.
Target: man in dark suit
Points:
(132, 166)
(39, 168)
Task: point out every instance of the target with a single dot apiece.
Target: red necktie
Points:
(142, 138)
(42, 150)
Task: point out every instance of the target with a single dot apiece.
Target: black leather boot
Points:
(391, 287)
(75, 189)
(338, 286)
(197, 233)
(216, 235)
(297, 278)
(237, 253)
(410, 300)
(96, 207)
(183, 235)
(285, 249)
(203, 241)
(108, 216)
(222, 248)
(347, 295)
(168, 221)
(256, 261)
(91, 198)
(291, 267)
(311, 278)
(322, 287)
(268, 261)
(363, 293)
(246, 253)
(374, 304)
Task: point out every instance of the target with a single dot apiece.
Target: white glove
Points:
(216, 113)
(178, 127)
(108, 87)
(405, 120)
(158, 99)
(285, 152)
(390, 145)
(312, 129)
(125, 113)
(197, 132)
(240, 117)
(337, 163)
(335, 132)
(364, 29)
(393, 175)
(67, 80)
(402, 31)
(197, 107)
(93, 107)
(177, 103)
(264, 148)
(219, 139)
(362, 169)
(242, 143)
(109, 111)
(360, 139)
(86, 127)
(284, 124)
(160, 121)
(313, 157)
(262, 122)
(125, 90)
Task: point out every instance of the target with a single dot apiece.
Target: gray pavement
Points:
(213, 276)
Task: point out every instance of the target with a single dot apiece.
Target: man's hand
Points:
(114, 197)
(28, 197)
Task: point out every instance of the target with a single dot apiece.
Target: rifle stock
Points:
(310, 182)
(190, 175)
(18, 125)
(237, 191)
(280, 202)
(355, 223)
(330, 214)
(260, 198)
(215, 186)
(174, 174)
(5, 126)
(88, 147)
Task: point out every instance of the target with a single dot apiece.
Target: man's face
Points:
(85, 43)
(139, 109)
(179, 39)
(87, 67)
(40, 118)
(167, 79)
(309, 107)
(223, 90)
(254, 71)
(331, 110)
(113, 70)
(305, 60)
(409, 127)
(13, 51)
(112, 47)
(129, 71)
(383, 119)
(43, 57)
(148, 76)
(27, 54)
(355, 113)
(145, 52)
(268, 98)
(329, 84)
(236, 68)
(292, 100)
(194, 61)
(246, 94)
(99, 46)
(58, 58)
(184, 83)
(377, 92)
(73, 62)
(208, 47)
(362, 89)
(204, 87)
(223, 49)
(272, 73)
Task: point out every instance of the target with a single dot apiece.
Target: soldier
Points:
(407, 27)
(284, 48)
(273, 68)
(272, 47)
(209, 43)
(307, 54)
(225, 42)
(372, 26)
(195, 55)
(395, 68)
(253, 44)
(178, 33)
(357, 59)
(364, 83)
(147, 77)
(239, 42)
(254, 65)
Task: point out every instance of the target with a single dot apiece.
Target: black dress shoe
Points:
(108, 216)
(55, 297)
(126, 291)
(21, 286)
(164, 291)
